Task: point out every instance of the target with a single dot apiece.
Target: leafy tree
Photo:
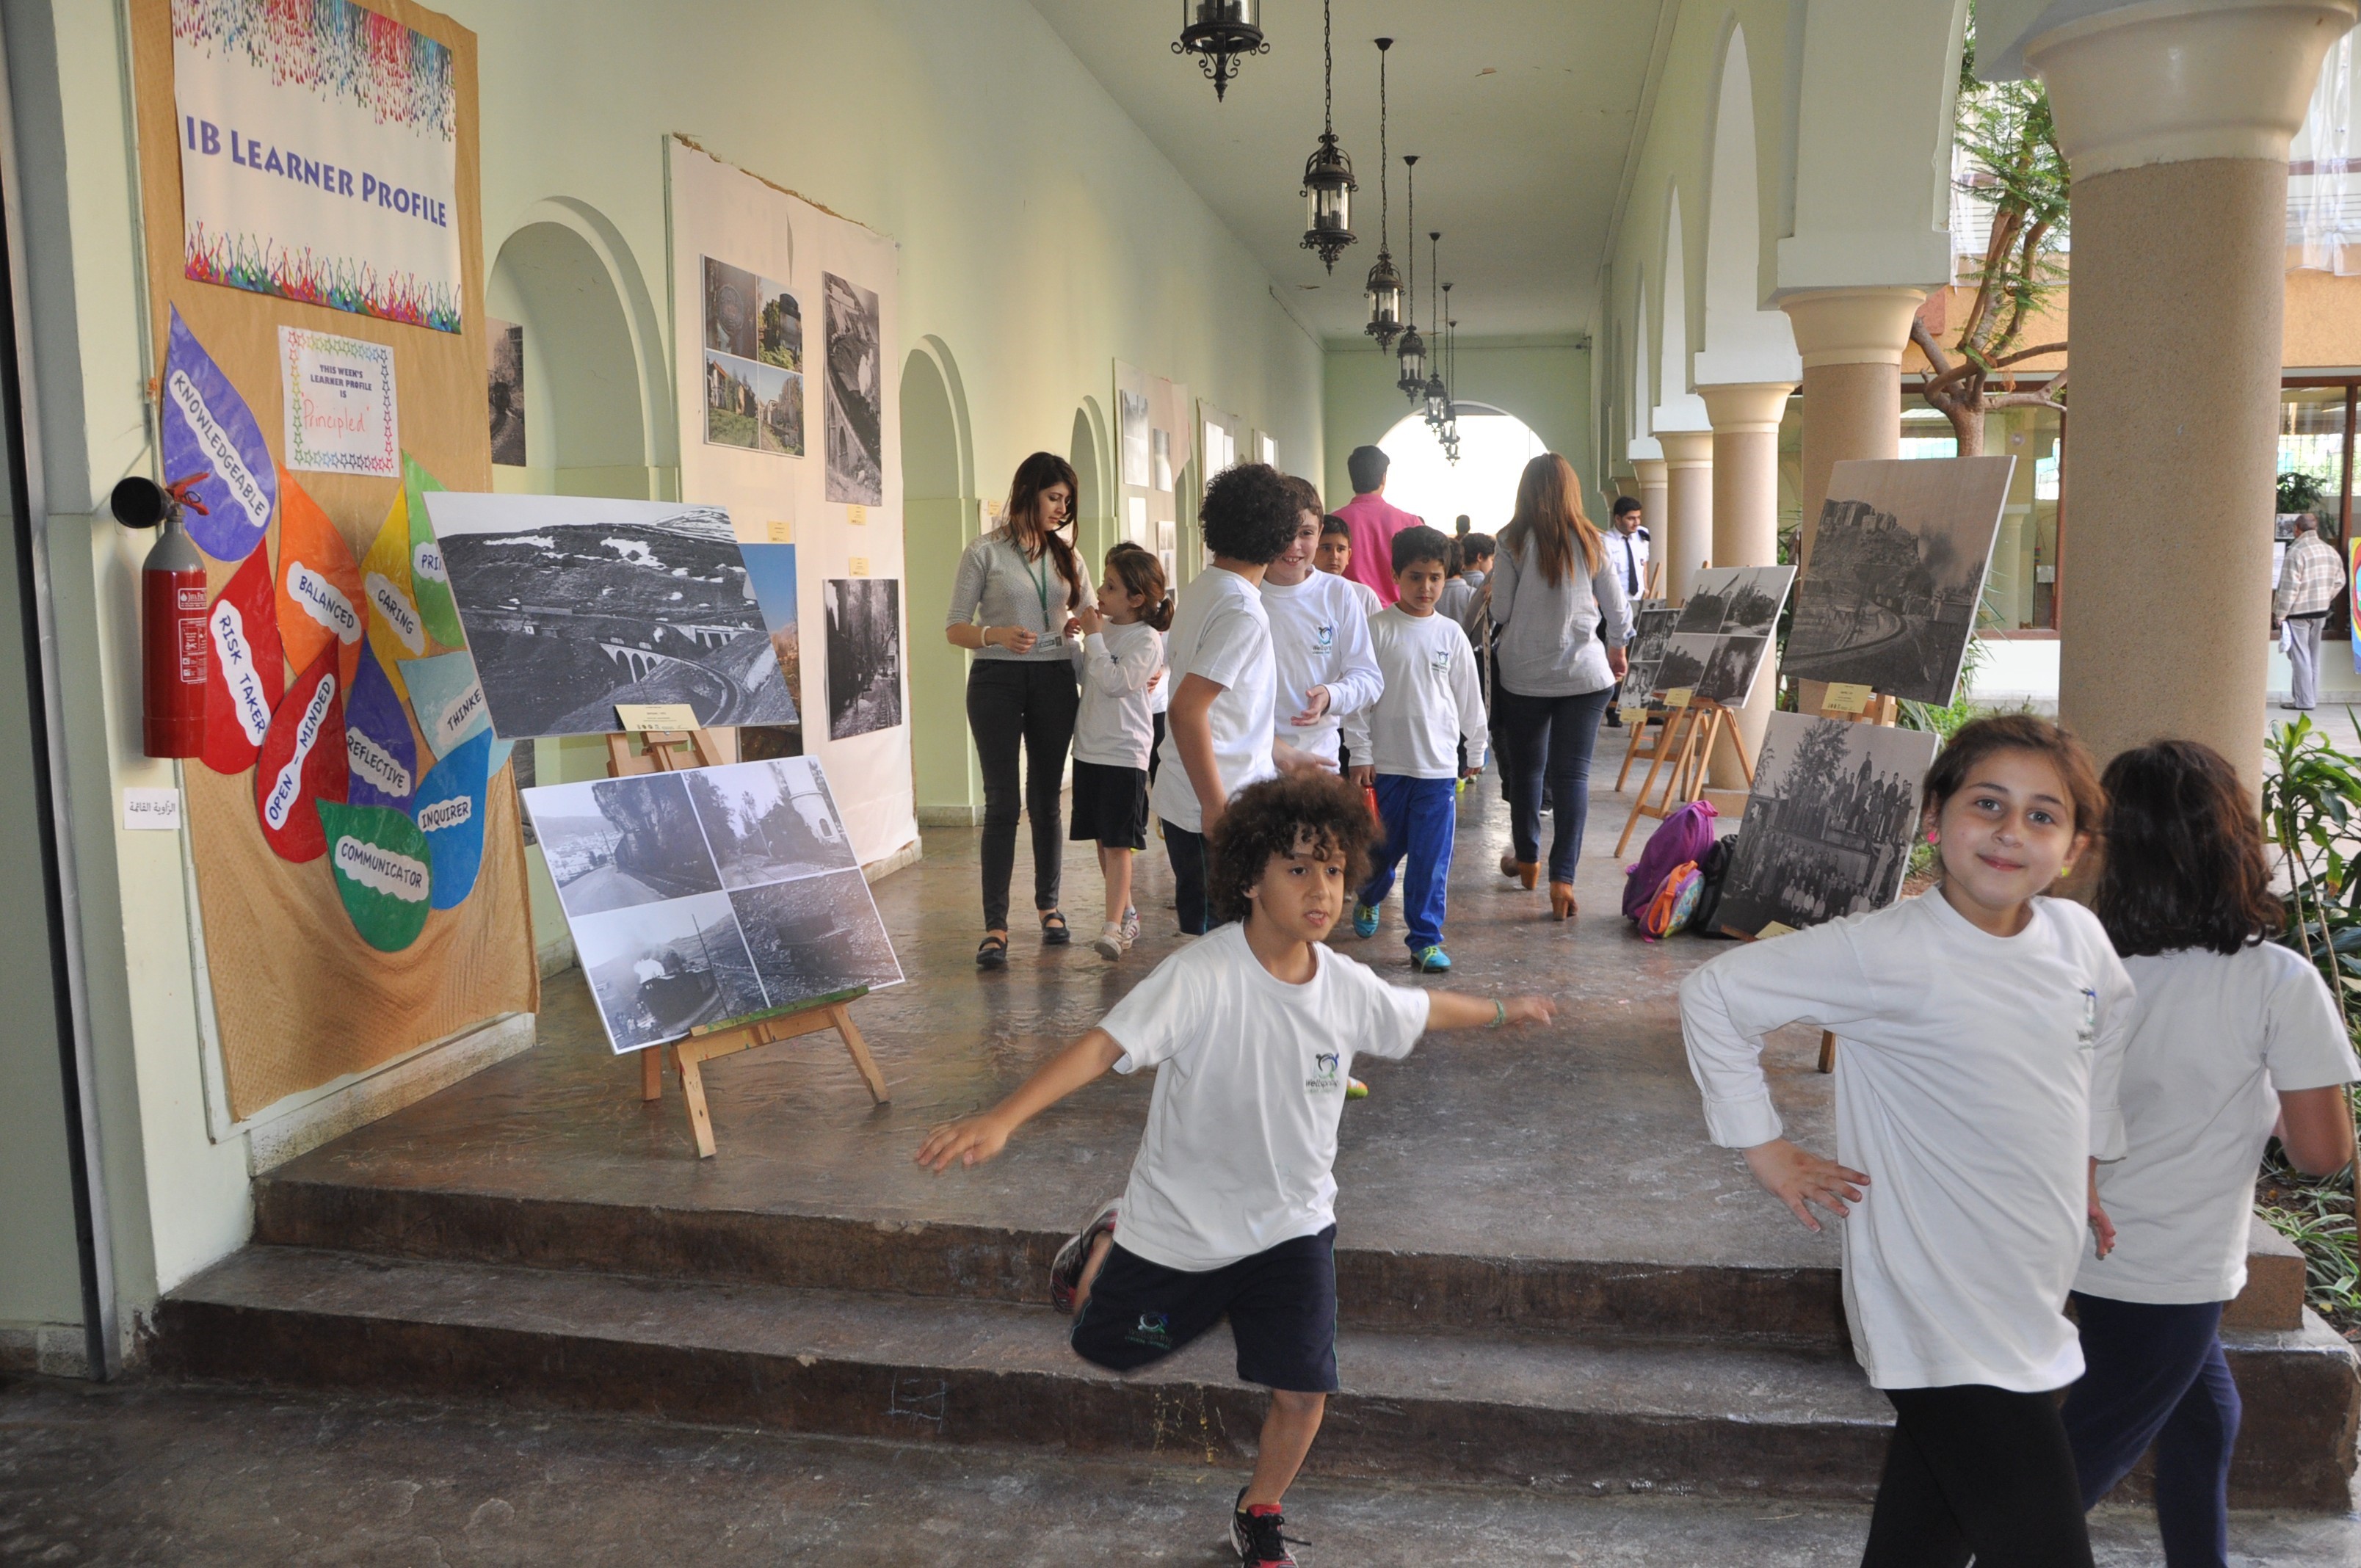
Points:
(2014, 164)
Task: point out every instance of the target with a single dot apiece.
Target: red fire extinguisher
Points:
(175, 652)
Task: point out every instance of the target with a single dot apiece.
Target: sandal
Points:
(991, 953)
(1054, 930)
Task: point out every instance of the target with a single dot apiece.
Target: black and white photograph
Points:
(815, 936)
(1652, 627)
(504, 391)
(1161, 439)
(865, 655)
(779, 330)
(1714, 668)
(615, 843)
(573, 605)
(733, 413)
(1896, 574)
(856, 449)
(778, 411)
(1131, 411)
(658, 971)
(768, 821)
(1736, 600)
(1829, 824)
(733, 300)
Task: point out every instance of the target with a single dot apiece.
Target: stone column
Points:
(1852, 342)
(1745, 417)
(1652, 473)
(2176, 122)
(1687, 538)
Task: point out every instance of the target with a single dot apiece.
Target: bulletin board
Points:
(300, 999)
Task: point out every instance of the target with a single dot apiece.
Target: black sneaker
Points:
(1066, 1269)
(1257, 1538)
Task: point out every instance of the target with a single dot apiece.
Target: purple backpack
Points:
(1685, 836)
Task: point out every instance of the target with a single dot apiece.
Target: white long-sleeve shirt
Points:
(1319, 637)
(1976, 1076)
(1115, 727)
(1431, 699)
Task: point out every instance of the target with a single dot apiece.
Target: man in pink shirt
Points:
(1374, 522)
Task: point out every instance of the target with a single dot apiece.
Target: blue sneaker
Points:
(1430, 959)
(1364, 919)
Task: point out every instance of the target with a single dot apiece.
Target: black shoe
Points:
(1259, 1539)
(1066, 1269)
(991, 953)
(1055, 932)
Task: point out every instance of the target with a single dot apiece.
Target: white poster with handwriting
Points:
(337, 394)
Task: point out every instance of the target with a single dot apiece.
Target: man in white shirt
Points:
(2310, 581)
(1320, 643)
(1430, 707)
(1219, 728)
(1627, 549)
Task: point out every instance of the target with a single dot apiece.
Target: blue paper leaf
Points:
(382, 750)
(447, 699)
(449, 810)
(209, 430)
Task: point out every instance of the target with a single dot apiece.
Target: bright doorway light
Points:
(1494, 448)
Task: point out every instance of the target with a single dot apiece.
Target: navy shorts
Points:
(1282, 1305)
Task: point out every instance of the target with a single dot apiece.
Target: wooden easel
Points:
(714, 1041)
(1813, 697)
(1654, 716)
(1687, 742)
(662, 752)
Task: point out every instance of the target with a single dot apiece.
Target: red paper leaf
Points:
(302, 761)
(248, 671)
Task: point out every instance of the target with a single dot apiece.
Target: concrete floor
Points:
(196, 1477)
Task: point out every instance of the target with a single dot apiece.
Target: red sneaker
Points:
(1066, 1269)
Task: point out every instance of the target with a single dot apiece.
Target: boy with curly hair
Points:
(1231, 1204)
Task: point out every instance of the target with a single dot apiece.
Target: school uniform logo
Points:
(2086, 1035)
(1439, 661)
(1154, 1329)
(1323, 639)
(1325, 1066)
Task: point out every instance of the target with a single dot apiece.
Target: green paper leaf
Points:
(428, 582)
(382, 871)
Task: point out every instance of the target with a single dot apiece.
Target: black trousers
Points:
(1186, 850)
(1031, 702)
(1977, 1471)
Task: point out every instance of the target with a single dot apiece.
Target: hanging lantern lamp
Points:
(1437, 395)
(1220, 33)
(1384, 289)
(1411, 352)
(1327, 174)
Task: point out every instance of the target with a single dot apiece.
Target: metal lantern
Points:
(1438, 399)
(1411, 352)
(1384, 289)
(1327, 174)
(1219, 33)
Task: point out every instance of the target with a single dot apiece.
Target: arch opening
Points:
(1493, 447)
(586, 423)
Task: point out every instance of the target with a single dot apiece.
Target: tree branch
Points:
(2022, 353)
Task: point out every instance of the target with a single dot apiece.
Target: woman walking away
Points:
(1023, 579)
(2233, 1037)
(1564, 620)
(1982, 1031)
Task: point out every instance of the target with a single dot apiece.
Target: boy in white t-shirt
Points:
(1320, 642)
(1408, 745)
(1230, 1209)
(1218, 728)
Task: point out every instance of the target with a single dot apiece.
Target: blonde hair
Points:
(1549, 513)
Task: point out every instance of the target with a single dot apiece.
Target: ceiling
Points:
(1522, 113)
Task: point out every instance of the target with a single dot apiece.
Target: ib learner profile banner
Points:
(205, 139)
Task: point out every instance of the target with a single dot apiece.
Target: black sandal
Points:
(991, 953)
(1059, 934)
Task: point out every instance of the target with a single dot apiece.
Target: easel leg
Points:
(652, 1073)
(1828, 1051)
(692, 1087)
(860, 1056)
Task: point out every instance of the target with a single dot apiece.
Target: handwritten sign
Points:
(637, 717)
(1846, 696)
(337, 404)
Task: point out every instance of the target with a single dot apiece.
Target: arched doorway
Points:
(585, 422)
(938, 520)
(1493, 447)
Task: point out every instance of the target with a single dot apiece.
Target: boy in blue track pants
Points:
(1433, 704)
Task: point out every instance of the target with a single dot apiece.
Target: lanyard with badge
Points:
(1041, 589)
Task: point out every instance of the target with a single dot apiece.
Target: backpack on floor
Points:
(1714, 869)
(1682, 838)
(1675, 904)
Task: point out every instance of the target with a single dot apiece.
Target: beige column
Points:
(1852, 342)
(1745, 417)
(1686, 539)
(2176, 122)
(1651, 476)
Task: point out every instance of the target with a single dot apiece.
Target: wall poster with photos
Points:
(1153, 439)
(785, 322)
(708, 896)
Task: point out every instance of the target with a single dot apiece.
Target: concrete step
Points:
(1685, 1418)
(1436, 1292)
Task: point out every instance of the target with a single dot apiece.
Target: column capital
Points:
(1651, 472)
(2175, 81)
(1687, 448)
(1852, 326)
(1746, 407)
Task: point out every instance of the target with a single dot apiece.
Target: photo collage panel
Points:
(705, 897)
(753, 362)
(1718, 644)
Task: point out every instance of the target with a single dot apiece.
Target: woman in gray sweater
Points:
(1013, 603)
(1558, 658)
